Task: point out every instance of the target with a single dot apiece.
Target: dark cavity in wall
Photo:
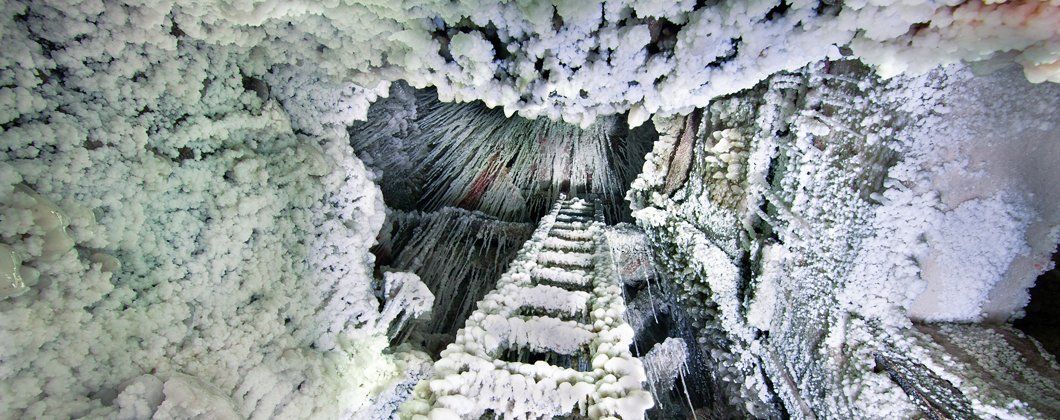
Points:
(656, 315)
(1043, 314)
(458, 254)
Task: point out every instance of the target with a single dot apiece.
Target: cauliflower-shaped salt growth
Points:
(1001, 221)
(474, 55)
(727, 158)
(575, 60)
(570, 60)
(673, 11)
(889, 277)
(971, 31)
(182, 397)
(21, 60)
(140, 397)
(177, 224)
(315, 102)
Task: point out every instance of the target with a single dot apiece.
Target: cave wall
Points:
(675, 354)
(177, 242)
(799, 228)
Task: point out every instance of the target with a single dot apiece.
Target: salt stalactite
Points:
(665, 362)
(666, 365)
(405, 297)
(470, 156)
(458, 254)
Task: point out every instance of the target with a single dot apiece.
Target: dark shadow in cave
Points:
(1042, 319)
(692, 391)
(466, 185)
(431, 155)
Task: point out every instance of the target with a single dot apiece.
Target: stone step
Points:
(573, 235)
(566, 259)
(559, 244)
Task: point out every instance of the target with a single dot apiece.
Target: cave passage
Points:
(533, 209)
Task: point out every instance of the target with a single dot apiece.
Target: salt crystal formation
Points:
(477, 249)
(845, 235)
(188, 203)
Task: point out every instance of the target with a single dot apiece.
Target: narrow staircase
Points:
(549, 342)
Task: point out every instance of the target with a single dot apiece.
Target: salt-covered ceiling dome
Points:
(574, 59)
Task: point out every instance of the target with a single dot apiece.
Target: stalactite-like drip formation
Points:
(665, 339)
(458, 254)
(435, 154)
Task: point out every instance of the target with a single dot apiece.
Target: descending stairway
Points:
(549, 341)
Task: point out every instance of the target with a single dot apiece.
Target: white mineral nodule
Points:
(11, 283)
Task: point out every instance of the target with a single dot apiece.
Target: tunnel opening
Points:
(657, 330)
(660, 323)
(431, 155)
(469, 180)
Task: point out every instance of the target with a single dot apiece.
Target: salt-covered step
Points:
(574, 287)
(571, 218)
(576, 206)
(577, 212)
(533, 339)
(563, 337)
(570, 225)
(572, 235)
(573, 280)
(559, 244)
(581, 317)
(566, 259)
(550, 301)
(579, 361)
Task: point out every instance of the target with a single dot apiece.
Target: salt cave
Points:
(567, 209)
